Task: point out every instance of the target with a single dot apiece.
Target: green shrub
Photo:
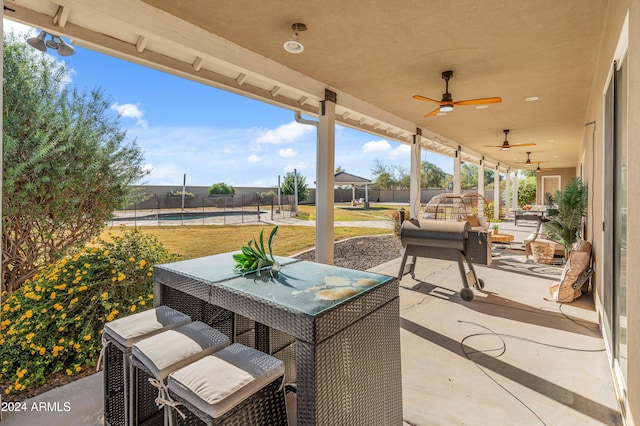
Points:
(179, 194)
(54, 322)
(221, 189)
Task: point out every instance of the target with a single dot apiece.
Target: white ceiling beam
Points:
(197, 64)
(61, 16)
(141, 44)
(241, 79)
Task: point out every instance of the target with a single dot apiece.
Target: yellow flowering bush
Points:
(54, 322)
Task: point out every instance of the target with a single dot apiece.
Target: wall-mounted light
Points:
(293, 45)
(54, 42)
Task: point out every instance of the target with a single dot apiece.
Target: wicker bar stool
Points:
(235, 386)
(152, 360)
(117, 339)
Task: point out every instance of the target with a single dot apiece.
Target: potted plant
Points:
(571, 207)
(254, 257)
(495, 228)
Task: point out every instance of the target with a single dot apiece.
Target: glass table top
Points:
(218, 267)
(307, 287)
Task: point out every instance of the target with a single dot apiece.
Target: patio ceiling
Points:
(375, 55)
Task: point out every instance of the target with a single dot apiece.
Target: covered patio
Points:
(567, 77)
(507, 357)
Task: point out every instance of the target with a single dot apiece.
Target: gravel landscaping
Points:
(362, 253)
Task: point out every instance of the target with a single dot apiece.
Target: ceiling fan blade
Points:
(518, 145)
(481, 101)
(433, 113)
(531, 163)
(423, 98)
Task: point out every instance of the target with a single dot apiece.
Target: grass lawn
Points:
(347, 213)
(198, 241)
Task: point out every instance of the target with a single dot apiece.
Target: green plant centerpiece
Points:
(254, 257)
(571, 204)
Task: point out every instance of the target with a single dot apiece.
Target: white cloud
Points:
(376, 147)
(130, 111)
(297, 166)
(8, 25)
(384, 147)
(254, 159)
(289, 132)
(165, 174)
(287, 153)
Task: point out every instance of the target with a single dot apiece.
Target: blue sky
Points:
(214, 136)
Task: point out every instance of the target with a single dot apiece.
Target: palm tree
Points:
(572, 207)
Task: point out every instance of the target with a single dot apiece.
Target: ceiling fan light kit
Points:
(447, 103)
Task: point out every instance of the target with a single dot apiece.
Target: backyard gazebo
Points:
(344, 178)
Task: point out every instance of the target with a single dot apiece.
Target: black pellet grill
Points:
(438, 239)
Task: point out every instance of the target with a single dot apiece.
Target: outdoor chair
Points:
(575, 273)
(118, 337)
(545, 248)
(154, 358)
(235, 386)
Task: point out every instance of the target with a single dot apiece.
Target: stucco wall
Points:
(592, 169)
(565, 174)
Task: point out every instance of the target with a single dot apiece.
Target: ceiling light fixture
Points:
(55, 42)
(532, 98)
(446, 108)
(293, 45)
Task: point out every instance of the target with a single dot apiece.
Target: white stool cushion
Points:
(128, 330)
(173, 349)
(217, 383)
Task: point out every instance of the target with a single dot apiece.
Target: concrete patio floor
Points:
(509, 357)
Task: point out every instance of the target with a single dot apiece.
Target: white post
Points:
(414, 184)
(481, 187)
(514, 204)
(295, 190)
(325, 179)
(457, 187)
(507, 192)
(184, 188)
(496, 194)
(279, 203)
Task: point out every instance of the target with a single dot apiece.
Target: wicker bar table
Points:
(345, 324)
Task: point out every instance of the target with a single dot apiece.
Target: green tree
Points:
(528, 172)
(221, 189)
(527, 191)
(389, 177)
(66, 163)
(340, 169)
(432, 176)
(288, 185)
(468, 176)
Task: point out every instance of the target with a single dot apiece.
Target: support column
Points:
(481, 186)
(457, 188)
(507, 192)
(514, 203)
(496, 194)
(414, 183)
(325, 167)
